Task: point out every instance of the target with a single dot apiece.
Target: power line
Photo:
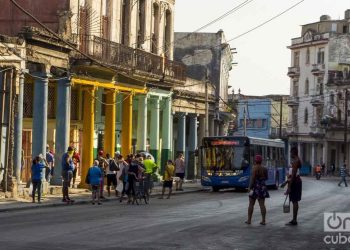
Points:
(267, 21)
(231, 11)
(256, 27)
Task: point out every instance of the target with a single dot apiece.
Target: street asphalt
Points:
(203, 220)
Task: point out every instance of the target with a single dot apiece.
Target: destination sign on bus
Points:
(225, 143)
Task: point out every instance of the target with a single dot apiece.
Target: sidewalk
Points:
(82, 196)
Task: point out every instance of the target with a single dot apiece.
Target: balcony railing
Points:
(317, 131)
(293, 101)
(275, 133)
(317, 100)
(292, 129)
(293, 71)
(338, 77)
(175, 70)
(124, 57)
(318, 69)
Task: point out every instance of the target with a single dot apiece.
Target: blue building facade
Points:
(258, 117)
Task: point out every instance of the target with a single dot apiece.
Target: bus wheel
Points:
(216, 189)
(277, 182)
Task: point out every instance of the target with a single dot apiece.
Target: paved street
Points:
(203, 220)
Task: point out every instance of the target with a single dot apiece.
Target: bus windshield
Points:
(223, 158)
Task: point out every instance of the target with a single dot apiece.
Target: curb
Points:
(82, 202)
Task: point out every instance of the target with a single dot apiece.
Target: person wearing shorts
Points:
(180, 171)
(168, 178)
(111, 175)
(95, 176)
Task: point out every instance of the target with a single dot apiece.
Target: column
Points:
(62, 126)
(221, 128)
(325, 154)
(166, 133)
(300, 151)
(288, 154)
(313, 154)
(142, 124)
(154, 133)
(126, 132)
(181, 133)
(192, 146)
(18, 130)
(110, 121)
(201, 129)
(88, 133)
(40, 113)
(211, 126)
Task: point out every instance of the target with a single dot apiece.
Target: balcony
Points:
(275, 133)
(136, 62)
(317, 131)
(317, 100)
(293, 72)
(293, 101)
(318, 69)
(338, 78)
(292, 129)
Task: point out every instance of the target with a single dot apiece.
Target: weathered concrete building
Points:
(208, 56)
(319, 72)
(12, 64)
(97, 79)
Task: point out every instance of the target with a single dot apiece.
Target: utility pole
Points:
(346, 126)
(244, 122)
(281, 102)
(206, 133)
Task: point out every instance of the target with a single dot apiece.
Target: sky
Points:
(262, 56)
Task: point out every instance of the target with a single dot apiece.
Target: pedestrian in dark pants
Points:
(102, 165)
(67, 173)
(343, 174)
(37, 176)
(294, 185)
(123, 177)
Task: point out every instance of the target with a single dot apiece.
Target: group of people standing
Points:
(43, 166)
(123, 175)
(258, 190)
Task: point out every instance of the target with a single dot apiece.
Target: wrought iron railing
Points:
(121, 56)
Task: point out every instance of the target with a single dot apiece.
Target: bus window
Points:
(220, 158)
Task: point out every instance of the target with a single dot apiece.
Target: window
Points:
(331, 98)
(320, 56)
(296, 58)
(306, 116)
(125, 22)
(295, 88)
(295, 117)
(320, 85)
(141, 23)
(306, 92)
(308, 56)
(339, 115)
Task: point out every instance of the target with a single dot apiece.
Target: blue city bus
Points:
(227, 161)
